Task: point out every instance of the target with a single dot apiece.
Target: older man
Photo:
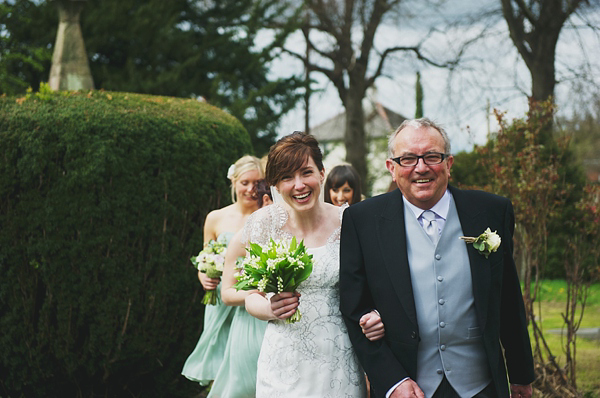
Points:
(454, 316)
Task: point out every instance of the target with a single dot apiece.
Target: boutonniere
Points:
(486, 243)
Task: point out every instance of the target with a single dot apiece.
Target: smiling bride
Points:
(312, 357)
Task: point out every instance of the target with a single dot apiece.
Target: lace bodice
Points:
(268, 222)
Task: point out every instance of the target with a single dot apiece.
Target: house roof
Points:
(379, 122)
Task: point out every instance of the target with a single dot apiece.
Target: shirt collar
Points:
(441, 208)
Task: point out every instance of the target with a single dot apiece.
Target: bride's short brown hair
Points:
(289, 154)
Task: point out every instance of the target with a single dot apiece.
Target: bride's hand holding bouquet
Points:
(277, 268)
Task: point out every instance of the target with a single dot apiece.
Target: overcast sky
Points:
(492, 71)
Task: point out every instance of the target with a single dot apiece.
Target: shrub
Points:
(102, 201)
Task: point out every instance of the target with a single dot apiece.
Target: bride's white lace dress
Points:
(312, 357)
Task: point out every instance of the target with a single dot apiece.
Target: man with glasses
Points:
(454, 316)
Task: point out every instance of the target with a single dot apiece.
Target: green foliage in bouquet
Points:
(275, 268)
(103, 196)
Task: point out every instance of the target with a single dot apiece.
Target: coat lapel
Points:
(392, 240)
(474, 220)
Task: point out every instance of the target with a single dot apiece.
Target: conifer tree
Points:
(419, 99)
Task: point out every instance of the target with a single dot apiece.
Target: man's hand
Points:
(520, 391)
(371, 325)
(407, 389)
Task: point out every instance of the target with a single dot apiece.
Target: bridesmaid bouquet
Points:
(211, 261)
(275, 268)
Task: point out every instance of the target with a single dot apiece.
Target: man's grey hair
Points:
(418, 123)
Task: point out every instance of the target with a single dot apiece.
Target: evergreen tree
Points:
(419, 99)
(26, 30)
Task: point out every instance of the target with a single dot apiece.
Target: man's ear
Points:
(389, 163)
(449, 163)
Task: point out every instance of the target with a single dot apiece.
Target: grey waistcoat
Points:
(451, 341)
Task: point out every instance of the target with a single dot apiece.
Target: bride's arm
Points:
(229, 294)
(280, 306)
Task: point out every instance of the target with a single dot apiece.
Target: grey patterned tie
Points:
(430, 226)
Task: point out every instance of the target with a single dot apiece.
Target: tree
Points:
(191, 48)
(182, 48)
(582, 266)
(534, 27)
(342, 36)
(584, 127)
(551, 205)
(23, 54)
(419, 97)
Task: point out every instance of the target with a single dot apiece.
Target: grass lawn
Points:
(552, 303)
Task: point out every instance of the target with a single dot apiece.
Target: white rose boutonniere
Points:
(486, 243)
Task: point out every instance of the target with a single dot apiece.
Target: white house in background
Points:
(379, 123)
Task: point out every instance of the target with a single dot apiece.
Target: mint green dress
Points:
(237, 374)
(204, 362)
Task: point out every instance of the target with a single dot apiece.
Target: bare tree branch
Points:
(526, 11)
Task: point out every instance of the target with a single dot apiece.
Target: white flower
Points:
(493, 239)
(271, 263)
(486, 243)
(230, 171)
(262, 284)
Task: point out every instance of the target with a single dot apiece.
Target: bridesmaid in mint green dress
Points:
(237, 374)
(204, 362)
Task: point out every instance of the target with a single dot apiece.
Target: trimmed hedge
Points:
(103, 196)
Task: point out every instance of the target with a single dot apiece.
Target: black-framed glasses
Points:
(429, 159)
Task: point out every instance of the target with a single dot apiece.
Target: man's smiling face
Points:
(422, 185)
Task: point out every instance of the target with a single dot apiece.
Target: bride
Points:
(312, 357)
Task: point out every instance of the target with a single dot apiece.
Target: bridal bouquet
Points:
(275, 268)
(211, 261)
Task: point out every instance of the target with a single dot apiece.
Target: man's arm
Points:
(382, 367)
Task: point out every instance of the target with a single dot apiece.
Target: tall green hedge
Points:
(102, 202)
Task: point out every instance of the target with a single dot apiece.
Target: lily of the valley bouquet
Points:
(211, 261)
(279, 266)
(486, 243)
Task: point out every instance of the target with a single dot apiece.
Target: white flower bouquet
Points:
(275, 268)
(211, 261)
(486, 243)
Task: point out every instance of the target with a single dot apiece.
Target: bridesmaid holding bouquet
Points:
(220, 225)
